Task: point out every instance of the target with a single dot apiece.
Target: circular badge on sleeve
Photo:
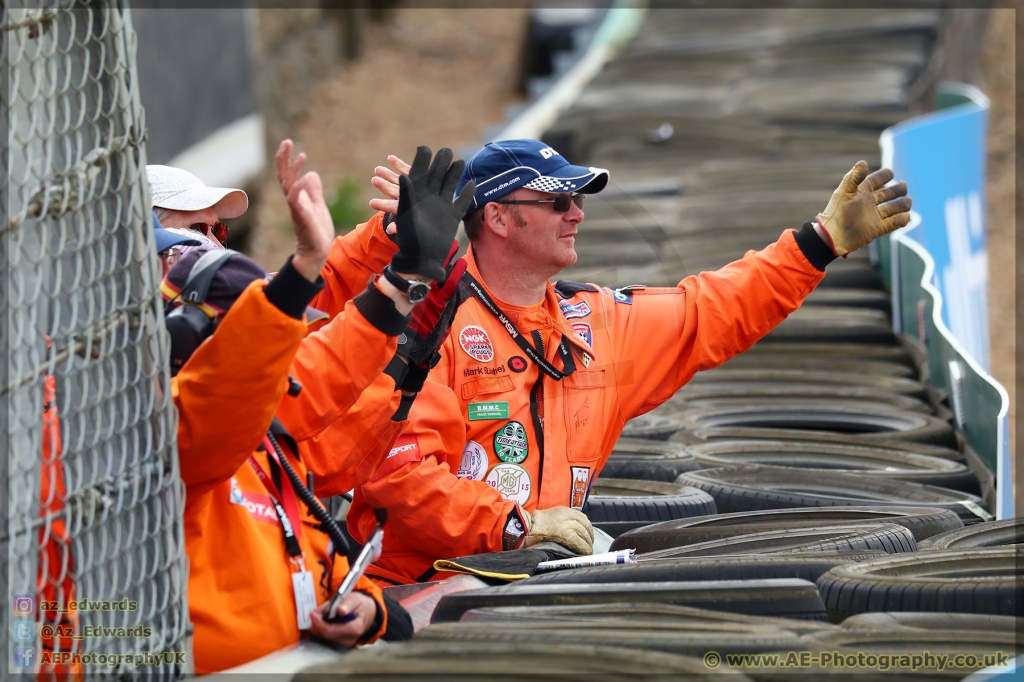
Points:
(512, 481)
(474, 462)
(510, 444)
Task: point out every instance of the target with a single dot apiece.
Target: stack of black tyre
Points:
(809, 496)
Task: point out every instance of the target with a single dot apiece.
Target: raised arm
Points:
(228, 390)
(707, 319)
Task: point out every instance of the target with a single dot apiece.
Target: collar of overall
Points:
(568, 362)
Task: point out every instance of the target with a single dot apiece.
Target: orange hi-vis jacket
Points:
(505, 433)
(241, 599)
(348, 451)
(55, 582)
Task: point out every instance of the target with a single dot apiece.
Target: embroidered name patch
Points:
(484, 411)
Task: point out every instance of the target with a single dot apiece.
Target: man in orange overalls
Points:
(541, 377)
(261, 565)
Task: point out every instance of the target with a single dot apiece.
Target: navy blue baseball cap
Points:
(503, 167)
(165, 239)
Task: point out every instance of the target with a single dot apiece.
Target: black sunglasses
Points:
(560, 204)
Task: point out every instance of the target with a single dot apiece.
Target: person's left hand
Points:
(862, 209)
(314, 228)
(288, 168)
(345, 635)
(386, 180)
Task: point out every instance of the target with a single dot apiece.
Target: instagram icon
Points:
(24, 604)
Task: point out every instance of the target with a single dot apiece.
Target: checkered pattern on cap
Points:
(548, 184)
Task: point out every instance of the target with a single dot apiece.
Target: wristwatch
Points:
(415, 290)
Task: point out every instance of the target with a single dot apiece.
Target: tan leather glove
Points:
(563, 525)
(859, 212)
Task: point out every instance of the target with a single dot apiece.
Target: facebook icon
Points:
(24, 656)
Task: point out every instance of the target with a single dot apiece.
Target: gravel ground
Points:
(997, 80)
(429, 76)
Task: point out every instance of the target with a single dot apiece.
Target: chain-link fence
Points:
(93, 535)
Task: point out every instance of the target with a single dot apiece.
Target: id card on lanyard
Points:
(287, 508)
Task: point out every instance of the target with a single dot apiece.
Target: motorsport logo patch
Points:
(476, 343)
(406, 449)
(474, 462)
(511, 481)
(510, 444)
(580, 485)
(583, 331)
(574, 311)
(621, 297)
(260, 507)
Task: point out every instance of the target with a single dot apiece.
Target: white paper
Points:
(305, 598)
(623, 556)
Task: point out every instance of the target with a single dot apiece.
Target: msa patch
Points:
(476, 343)
(510, 444)
(574, 311)
(621, 297)
(406, 449)
(484, 411)
(583, 331)
(580, 485)
(474, 462)
(511, 481)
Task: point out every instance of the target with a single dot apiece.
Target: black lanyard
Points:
(563, 348)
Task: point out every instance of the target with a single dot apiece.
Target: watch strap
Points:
(400, 283)
(517, 526)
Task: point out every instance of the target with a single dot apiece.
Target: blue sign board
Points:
(941, 156)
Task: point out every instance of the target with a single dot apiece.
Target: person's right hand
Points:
(345, 635)
(386, 180)
(861, 210)
(564, 525)
(427, 216)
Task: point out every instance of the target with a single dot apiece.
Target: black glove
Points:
(427, 216)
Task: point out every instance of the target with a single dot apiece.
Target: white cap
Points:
(179, 190)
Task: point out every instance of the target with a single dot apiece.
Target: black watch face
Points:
(417, 292)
